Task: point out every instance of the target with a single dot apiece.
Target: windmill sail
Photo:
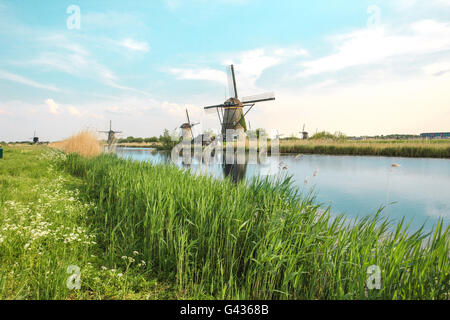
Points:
(187, 114)
(232, 89)
(268, 96)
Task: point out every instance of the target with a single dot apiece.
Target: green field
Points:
(46, 225)
(140, 231)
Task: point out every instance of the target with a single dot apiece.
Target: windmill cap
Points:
(233, 102)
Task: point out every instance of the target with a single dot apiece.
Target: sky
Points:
(354, 66)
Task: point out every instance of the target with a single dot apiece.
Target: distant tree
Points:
(324, 135)
(151, 139)
(168, 141)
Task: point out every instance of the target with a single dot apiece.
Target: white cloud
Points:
(74, 111)
(438, 68)
(442, 2)
(249, 66)
(371, 46)
(77, 61)
(53, 107)
(200, 74)
(4, 112)
(411, 3)
(135, 45)
(23, 80)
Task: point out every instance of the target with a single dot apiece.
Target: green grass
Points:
(46, 226)
(261, 240)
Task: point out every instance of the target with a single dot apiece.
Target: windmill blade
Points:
(234, 82)
(268, 96)
(232, 89)
(187, 114)
(216, 106)
(194, 124)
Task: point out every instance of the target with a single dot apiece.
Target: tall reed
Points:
(391, 148)
(261, 240)
(84, 143)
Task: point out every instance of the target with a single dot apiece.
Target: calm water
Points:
(357, 186)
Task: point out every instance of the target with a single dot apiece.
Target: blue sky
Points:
(360, 67)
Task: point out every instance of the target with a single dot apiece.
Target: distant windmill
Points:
(278, 136)
(186, 128)
(111, 134)
(304, 133)
(35, 138)
(231, 113)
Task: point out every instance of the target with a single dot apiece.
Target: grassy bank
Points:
(210, 238)
(46, 225)
(389, 148)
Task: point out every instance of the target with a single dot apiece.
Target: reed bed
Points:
(255, 240)
(84, 143)
(390, 148)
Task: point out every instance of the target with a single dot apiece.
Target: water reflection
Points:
(355, 186)
(235, 171)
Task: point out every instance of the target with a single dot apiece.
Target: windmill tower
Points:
(35, 138)
(304, 133)
(111, 134)
(231, 112)
(186, 128)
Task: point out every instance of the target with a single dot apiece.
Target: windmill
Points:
(278, 135)
(231, 112)
(111, 134)
(186, 128)
(35, 138)
(304, 133)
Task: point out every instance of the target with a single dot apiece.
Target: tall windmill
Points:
(304, 133)
(186, 128)
(111, 134)
(231, 112)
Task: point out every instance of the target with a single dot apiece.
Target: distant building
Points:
(436, 135)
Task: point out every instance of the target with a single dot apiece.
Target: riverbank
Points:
(138, 231)
(256, 240)
(386, 148)
(46, 226)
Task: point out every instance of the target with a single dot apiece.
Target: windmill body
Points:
(111, 134)
(186, 128)
(35, 138)
(304, 133)
(231, 112)
(233, 115)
